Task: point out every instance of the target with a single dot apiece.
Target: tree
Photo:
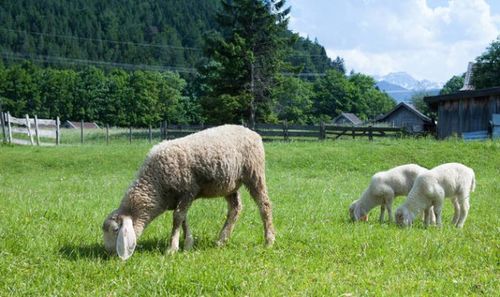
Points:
(246, 56)
(334, 94)
(487, 67)
(370, 101)
(418, 101)
(453, 85)
(293, 100)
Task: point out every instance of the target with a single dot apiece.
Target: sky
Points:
(428, 39)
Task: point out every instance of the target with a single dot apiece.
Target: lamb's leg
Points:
(428, 216)
(438, 207)
(233, 211)
(258, 191)
(179, 217)
(382, 210)
(456, 215)
(432, 215)
(188, 237)
(388, 206)
(464, 210)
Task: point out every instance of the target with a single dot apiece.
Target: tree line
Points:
(139, 98)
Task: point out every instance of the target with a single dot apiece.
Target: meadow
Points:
(53, 201)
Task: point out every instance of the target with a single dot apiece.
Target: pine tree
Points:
(246, 57)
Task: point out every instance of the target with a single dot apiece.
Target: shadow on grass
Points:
(155, 245)
(90, 251)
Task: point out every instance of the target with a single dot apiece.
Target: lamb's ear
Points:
(126, 241)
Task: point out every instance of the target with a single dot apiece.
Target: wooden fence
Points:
(30, 131)
(287, 132)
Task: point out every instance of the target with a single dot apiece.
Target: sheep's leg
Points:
(179, 217)
(233, 211)
(258, 191)
(457, 214)
(464, 210)
(388, 206)
(432, 215)
(438, 207)
(382, 210)
(428, 216)
(188, 237)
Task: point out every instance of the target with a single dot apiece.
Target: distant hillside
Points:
(387, 86)
(168, 34)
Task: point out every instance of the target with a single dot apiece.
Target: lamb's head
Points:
(119, 235)
(357, 213)
(403, 217)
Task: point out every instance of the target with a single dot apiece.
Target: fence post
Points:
(2, 120)
(58, 131)
(353, 132)
(9, 127)
(150, 134)
(107, 134)
(130, 134)
(28, 126)
(322, 132)
(165, 128)
(370, 133)
(36, 131)
(285, 130)
(81, 131)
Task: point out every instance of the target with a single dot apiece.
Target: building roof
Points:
(350, 117)
(76, 125)
(407, 106)
(434, 100)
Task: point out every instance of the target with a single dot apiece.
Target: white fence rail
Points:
(30, 131)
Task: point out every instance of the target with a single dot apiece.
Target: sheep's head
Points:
(119, 235)
(403, 217)
(357, 213)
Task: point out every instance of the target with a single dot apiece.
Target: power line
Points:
(104, 40)
(73, 61)
(70, 61)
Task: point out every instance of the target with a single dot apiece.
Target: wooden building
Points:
(465, 111)
(78, 125)
(346, 118)
(406, 116)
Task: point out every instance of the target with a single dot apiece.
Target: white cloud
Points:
(381, 36)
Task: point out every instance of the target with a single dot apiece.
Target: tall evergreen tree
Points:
(246, 56)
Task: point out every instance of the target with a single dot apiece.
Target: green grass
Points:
(53, 201)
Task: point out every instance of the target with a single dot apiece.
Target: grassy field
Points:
(53, 201)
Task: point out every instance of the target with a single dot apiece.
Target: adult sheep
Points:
(383, 188)
(211, 163)
(453, 180)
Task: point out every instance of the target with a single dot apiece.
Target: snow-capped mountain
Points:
(406, 81)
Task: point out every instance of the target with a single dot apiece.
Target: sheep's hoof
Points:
(269, 242)
(220, 243)
(188, 243)
(171, 251)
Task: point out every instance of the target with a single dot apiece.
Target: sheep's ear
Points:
(126, 241)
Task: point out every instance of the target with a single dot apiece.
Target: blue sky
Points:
(429, 39)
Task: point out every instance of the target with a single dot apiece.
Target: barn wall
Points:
(404, 118)
(447, 119)
(466, 115)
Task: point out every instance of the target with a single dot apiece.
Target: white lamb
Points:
(214, 162)
(452, 180)
(383, 188)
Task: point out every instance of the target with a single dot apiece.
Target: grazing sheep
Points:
(383, 188)
(214, 162)
(452, 180)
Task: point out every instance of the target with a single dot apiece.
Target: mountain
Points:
(408, 82)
